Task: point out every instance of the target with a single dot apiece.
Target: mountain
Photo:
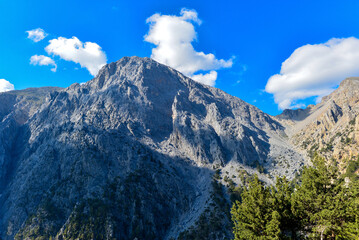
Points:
(132, 153)
(331, 127)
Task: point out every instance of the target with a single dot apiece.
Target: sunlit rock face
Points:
(331, 127)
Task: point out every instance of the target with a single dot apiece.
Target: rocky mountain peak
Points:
(294, 114)
(350, 82)
(144, 72)
(346, 93)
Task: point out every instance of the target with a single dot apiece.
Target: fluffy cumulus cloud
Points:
(314, 71)
(89, 55)
(208, 78)
(36, 35)
(173, 37)
(42, 60)
(6, 86)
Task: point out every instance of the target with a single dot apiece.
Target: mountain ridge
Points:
(141, 142)
(330, 127)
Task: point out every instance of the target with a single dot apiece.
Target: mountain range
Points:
(133, 152)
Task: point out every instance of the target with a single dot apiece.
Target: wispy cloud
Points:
(36, 35)
(314, 71)
(42, 60)
(173, 37)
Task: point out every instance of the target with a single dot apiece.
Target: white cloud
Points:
(6, 86)
(173, 37)
(314, 71)
(209, 78)
(89, 55)
(42, 60)
(36, 35)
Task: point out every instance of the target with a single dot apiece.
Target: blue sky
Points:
(257, 36)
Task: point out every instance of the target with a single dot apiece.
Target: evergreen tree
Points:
(322, 201)
(351, 226)
(272, 228)
(254, 217)
(310, 196)
(281, 194)
(322, 206)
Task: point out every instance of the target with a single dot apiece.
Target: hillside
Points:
(331, 127)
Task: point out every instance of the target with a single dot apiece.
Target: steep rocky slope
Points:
(15, 109)
(129, 154)
(331, 127)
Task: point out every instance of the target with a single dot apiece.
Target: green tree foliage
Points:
(272, 228)
(254, 218)
(352, 167)
(320, 202)
(281, 195)
(351, 227)
(321, 205)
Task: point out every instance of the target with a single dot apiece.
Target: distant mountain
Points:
(131, 153)
(331, 127)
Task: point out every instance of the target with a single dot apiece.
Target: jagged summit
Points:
(346, 93)
(350, 81)
(135, 70)
(144, 72)
(156, 91)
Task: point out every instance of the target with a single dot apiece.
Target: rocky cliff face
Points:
(331, 127)
(15, 109)
(128, 154)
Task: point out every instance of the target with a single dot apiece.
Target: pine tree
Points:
(351, 226)
(273, 231)
(281, 195)
(320, 202)
(252, 217)
(322, 206)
